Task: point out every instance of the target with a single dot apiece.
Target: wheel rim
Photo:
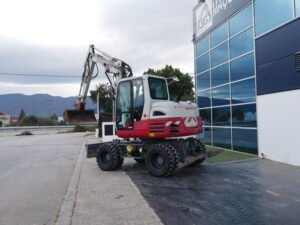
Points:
(157, 161)
(105, 157)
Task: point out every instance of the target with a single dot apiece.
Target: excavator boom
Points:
(115, 70)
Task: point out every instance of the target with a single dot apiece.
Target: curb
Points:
(66, 211)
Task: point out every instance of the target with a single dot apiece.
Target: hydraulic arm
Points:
(115, 70)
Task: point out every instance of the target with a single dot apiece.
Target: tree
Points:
(182, 90)
(30, 120)
(21, 115)
(1, 114)
(54, 117)
(106, 97)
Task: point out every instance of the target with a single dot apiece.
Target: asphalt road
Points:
(259, 192)
(34, 175)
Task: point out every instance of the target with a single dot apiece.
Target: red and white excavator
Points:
(150, 128)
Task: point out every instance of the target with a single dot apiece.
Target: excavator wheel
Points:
(108, 157)
(202, 149)
(161, 160)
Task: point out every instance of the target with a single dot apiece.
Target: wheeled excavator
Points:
(149, 126)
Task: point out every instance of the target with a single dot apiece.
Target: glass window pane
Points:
(124, 105)
(206, 136)
(220, 75)
(203, 63)
(220, 96)
(138, 98)
(221, 116)
(206, 116)
(242, 43)
(244, 140)
(244, 116)
(270, 14)
(243, 92)
(219, 35)
(204, 98)
(219, 55)
(202, 46)
(222, 138)
(203, 81)
(298, 7)
(242, 67)
(158, 88)
(241, 21)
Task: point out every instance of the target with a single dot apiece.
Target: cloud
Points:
(52, 37)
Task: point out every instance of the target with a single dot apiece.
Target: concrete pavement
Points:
(38, 185)
(110, 198)
(34, 174)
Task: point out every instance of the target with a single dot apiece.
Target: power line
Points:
(36, 75)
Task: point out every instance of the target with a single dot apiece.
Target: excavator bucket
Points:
(77, 117)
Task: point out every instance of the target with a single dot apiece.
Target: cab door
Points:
(130, 103)
(124, 106)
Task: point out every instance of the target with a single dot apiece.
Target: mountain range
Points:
(38, 104)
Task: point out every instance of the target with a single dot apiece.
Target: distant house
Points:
(14, 120)
(4, 120)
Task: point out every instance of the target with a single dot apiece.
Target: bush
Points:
(25, 133)
(32, 120)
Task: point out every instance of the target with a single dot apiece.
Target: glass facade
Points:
(297, 7)
(270, 14)
(225, 73)
(225, 84)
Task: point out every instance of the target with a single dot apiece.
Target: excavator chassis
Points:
(162, 157)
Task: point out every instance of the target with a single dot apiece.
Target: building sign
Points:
(210, 13)
(206, 13)
(204, 17)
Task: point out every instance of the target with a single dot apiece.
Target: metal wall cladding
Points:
(276, 60)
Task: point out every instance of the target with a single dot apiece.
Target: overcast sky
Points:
(52, 37)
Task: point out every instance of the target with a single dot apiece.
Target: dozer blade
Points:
(76, 117)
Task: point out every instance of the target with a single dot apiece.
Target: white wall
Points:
(279, 126)
(5, 120)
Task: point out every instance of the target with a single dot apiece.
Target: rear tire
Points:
(201, 149)
(161, 160)
(108, 157)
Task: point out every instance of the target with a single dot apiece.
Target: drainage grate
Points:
(297, 61)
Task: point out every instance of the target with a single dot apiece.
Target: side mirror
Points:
(174, 79)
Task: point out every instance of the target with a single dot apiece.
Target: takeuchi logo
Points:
(205, 17)
(207, 11)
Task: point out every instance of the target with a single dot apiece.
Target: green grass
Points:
(219, 155)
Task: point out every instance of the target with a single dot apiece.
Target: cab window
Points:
(158, 88)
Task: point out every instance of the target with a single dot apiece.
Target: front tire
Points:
(161, 160)
(108, 157)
